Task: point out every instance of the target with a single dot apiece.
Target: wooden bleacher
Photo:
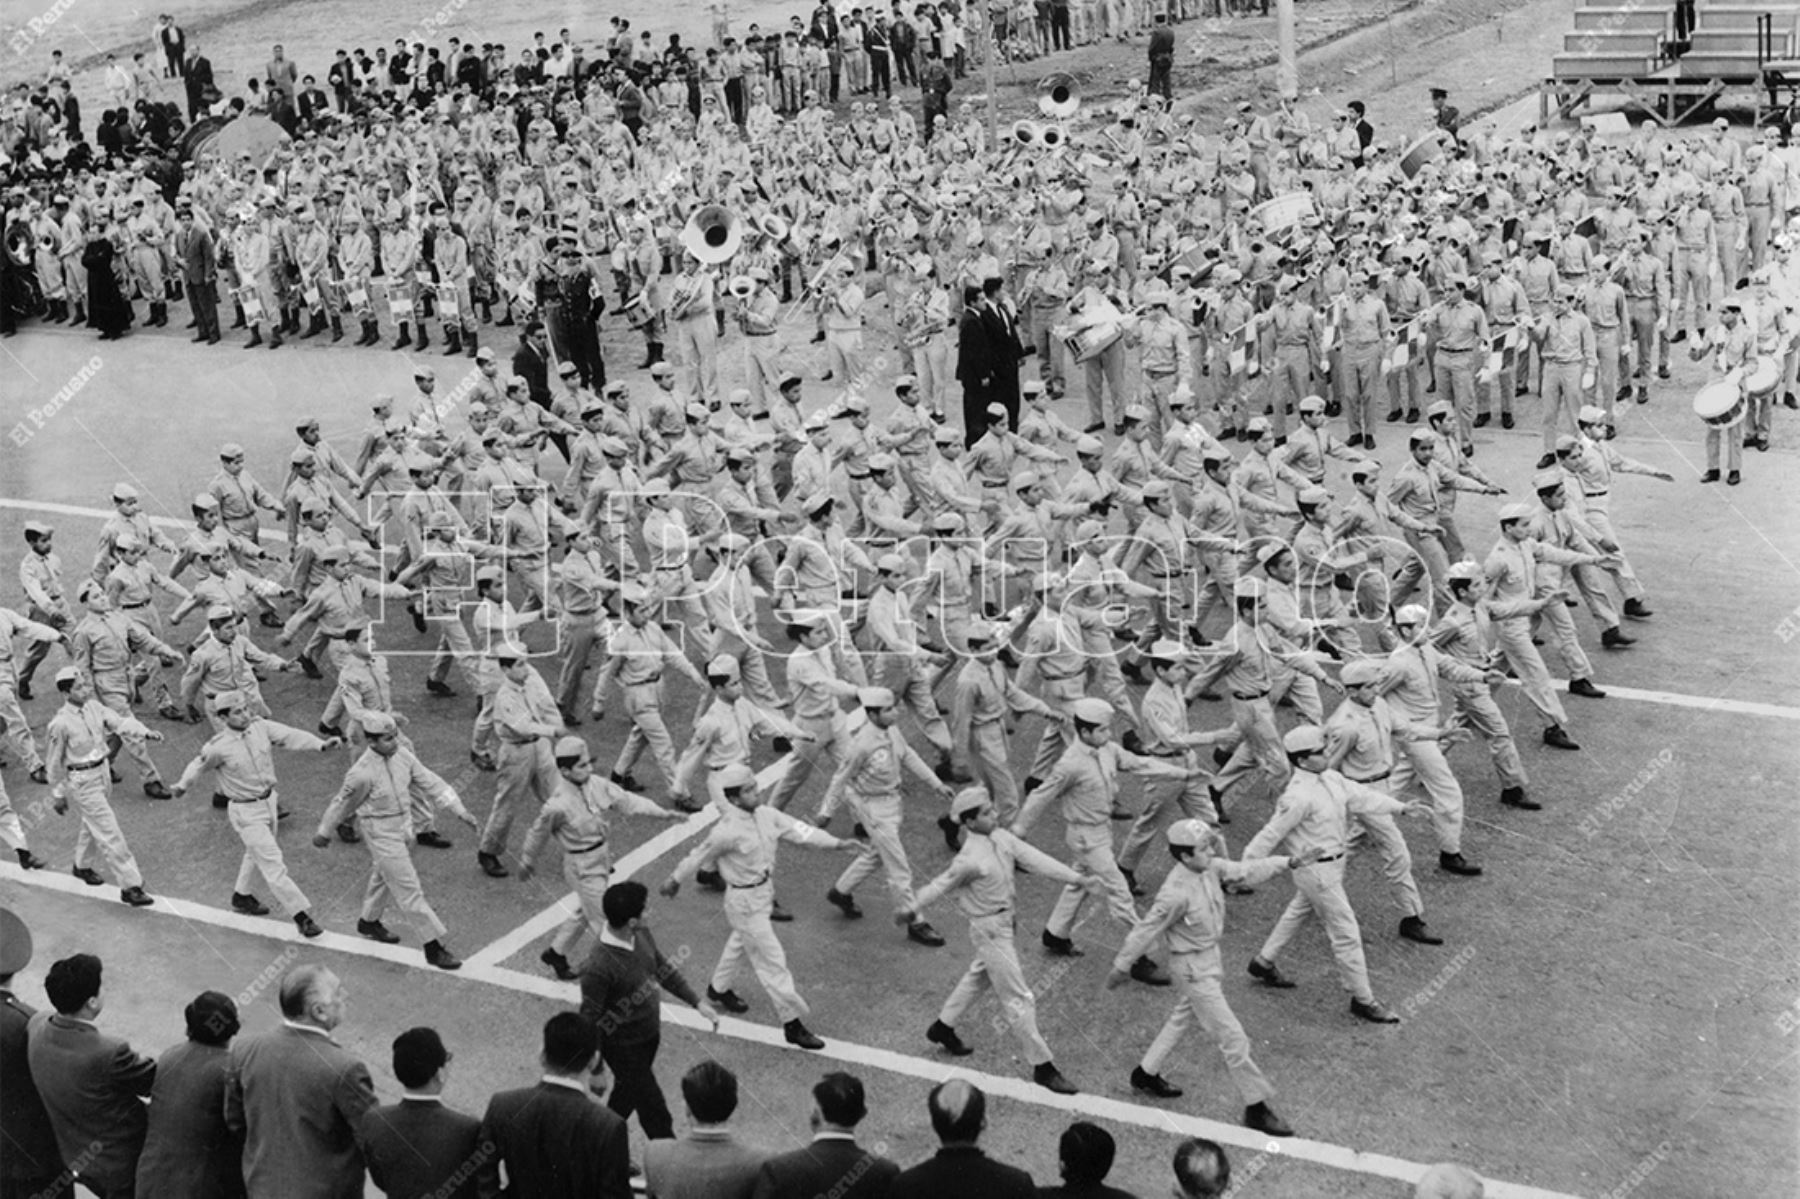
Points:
(1736, 47)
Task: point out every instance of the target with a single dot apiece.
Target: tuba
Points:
(712, 234)
(1059, 98)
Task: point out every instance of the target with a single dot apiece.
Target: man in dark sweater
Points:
(619, 984)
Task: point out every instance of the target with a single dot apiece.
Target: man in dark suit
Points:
(1086, 1153)
(960, 1170)
(977, 356)
(31, 1165)
(708, 1163)
(93, 1086)
(834, 1164)
(531, 362)
(199, 260)
(419, 1147)
(188, 1151)
(556, 1140)
(297, 1095)
(1002, 322)
(198, 81)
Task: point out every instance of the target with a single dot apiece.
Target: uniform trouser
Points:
(1290, 381)
(1734, 447)
(1059, 694)
(1608, 348)
(1259, 749)
(74, 278)
(1092, 848)
(911, 679)
(753, 667)
(394, 879)
(827, 742)
(1221, 577)
(464, 320)
(1513, 636)
(1730, 262)
(1406, 388)
(1108, 367)
(1051, 354)
(254, 823)
(522, 770)
(40, 650)
(996, 967)
(579, 632)
(678, 592)
(487, 684)
(635, 1088)
(1202, 1001)
(1188, 796)
(1427, 561)
(454, 645)
(1563, 399)
(753, 938)
(1476, 707)
(763, 354)
(1456, 383)
(1319, 890)
(113, 693)
(843, 355)
(643, 707)
(1361, 383)
(50, 276)
(147, 268)
(18, 729)
(1505, 381)
(1232, 399)
(1756, 221)
(696, 346)
(532, 572)
(989, 763)
(1561, 631)
(935, 364)
(1301, 691)
(12, 831)
(1693, 288)
(1396, 859)
(1643, 335)
(587, 875)
(1425, 759)
(880, 817)
(1590, 581)
(100, 836)
(1158, 388)
(1105, 674)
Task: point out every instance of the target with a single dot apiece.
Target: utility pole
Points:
(993, 53)
(1287, 70)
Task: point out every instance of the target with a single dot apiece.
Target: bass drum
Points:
(1722, 404)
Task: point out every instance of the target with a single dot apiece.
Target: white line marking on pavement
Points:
(1323, 1153)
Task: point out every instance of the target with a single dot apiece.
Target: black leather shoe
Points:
(1131, 883)
(1515, 797)
(924, 934)
(309, 928)
(1733, 479)
(626, 782)
(1506, 420)
(443, 959)
(1546, 462)
(136, 897)
(1153, 1084)
(558, 964)
(952, 833)
(1556, 738)
(1051, 1079)
(375, 930)
(1060, 946)
(157, 789)
(1586, 689)
(1373, 1012)
(1413, 929)
(1481, 420)
(844, 903)
(1614, 639)
(943, 1036)
(1149, 973)
(491, 866)
(249, 905)
(1393, 415)
(796, 1033)
(1455, 863)
(30, 861)
(433, 839)
(1636, 609)
(1264, 1120)
(443, 690)
(1269, 975)
(88, 875)
(727, 1001)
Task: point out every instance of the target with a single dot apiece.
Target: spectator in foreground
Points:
(1202, 1171)
(189, 1153)
(960, 1170)
(32, 1163)
(1086, 1152)
(708, 1163)
(421, 1147)
(834, 1164)
(556, 1140)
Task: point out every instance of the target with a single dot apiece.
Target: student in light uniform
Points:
(75, 757)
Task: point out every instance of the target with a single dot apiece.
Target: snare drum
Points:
(1284, 211)
(1722, 404)
(1764, 375)
(1426, 150)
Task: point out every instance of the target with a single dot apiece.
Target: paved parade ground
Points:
(1615, 1010)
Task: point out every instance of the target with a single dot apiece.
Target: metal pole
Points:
(1287, 71)
(993, 51)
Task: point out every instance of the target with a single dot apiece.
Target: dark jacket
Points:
(417, 1148)
(962, 1172)
(826, 1167)
(534, 368)
(297, 1096)
(557, 1143)
(94, 1088)
(31, 1154)
(189, 1153)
